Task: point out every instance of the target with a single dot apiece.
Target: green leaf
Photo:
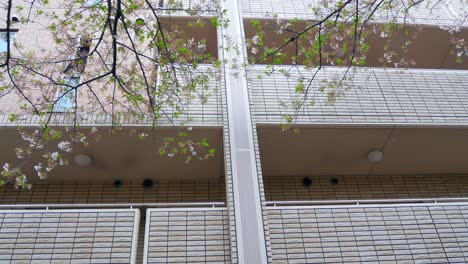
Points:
(53, 27)
(12, 118)
(57, 134)
(299, 88)
(288, 118)
(215, 22)
(255, 22)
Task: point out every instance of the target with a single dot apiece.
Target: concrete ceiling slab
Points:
(343, 151)
(124, 156)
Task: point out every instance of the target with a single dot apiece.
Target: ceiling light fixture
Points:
(307, 182)
(117, 183)
(147, 183)
(83, 160)
(375, 156)
(15, 19)
(333, 181)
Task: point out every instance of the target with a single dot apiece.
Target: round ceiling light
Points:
(83, 160)
(375, 156)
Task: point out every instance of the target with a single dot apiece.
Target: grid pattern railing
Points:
(190, 235)
(436, 13)
(192, 118)
(189, 7)
(200, 108)
(370, 234)
(68, 236)
(369, 96)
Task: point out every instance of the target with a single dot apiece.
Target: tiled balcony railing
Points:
(436, 13)
(373, 233)
(68, 236)
(79, 233)
(196, 112)
(187, 235)
(205, 8)
(371, 96)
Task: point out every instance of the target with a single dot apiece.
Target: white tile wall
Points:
(374, 234)
(197, 235)
(68, 236)
(370, 96)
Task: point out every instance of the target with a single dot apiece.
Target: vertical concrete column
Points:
(244, 194)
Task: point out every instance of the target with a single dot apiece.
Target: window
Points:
(73, 66)
(90, 3)
(67, 101)
(3, 39)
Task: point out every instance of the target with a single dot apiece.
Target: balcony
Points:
(196, 233)
(185, 8)
(80, 235)
(369, 96)
(358, 219)
(412, 232)
(187, 235)
(202, 108)
(442, 14)
(278, 23)
(368, 218)
(172, 220)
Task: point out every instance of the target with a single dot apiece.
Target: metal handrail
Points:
(369, 202)
(115, 205)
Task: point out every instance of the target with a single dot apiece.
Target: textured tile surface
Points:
(203, 108)
(67, 236)
(187, 236)
(378, 234)
(438, 13)
(368, 96)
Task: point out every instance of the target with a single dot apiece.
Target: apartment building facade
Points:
(377, 176)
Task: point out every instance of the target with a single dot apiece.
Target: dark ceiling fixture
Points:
(148, 183)
(117, 183)
(15, 19)
(333, 181)
(307, 182)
